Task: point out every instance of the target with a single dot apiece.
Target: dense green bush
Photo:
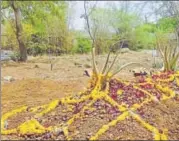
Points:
(83, 45)
(36, 49)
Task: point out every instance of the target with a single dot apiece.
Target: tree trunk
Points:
(19, 31)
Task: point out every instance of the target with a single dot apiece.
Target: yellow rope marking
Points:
(68, 100)
(177, 81)
(7, 115)
(164, 134)
(119, 92)
(33, 126)
(50, 107)
(157, 135)
(166, 91)
(114, 103)
(71, 120)
(35, 109)
(104, 128)
(136, 106)
(171, 78)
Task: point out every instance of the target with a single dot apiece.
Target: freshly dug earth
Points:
(47, 86)
(129, 129)
(34, 92)
(163, 115)
(92, 121)
(18, 119)
(36, 84)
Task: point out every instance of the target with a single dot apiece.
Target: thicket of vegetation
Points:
(37, 31)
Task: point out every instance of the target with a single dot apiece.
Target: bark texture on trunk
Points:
(19, 31)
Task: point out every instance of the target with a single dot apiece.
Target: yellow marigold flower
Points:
(119, 92)
(31, 127)
(11, 113)
(50, 107)
(7, 132)
(157, 136)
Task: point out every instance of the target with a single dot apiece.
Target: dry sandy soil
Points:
(36, 84)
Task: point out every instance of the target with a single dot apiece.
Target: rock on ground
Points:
(8, 78)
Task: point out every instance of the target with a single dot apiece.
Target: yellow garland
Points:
(136, 106)
(35, 109)
(177, 81)
(11, 113)
(114, 103)
(164, 134)
(68, 100)
(31, 127)
(147, 93)
(119, 92)
(167, 91)
(104, 128)
(157, 135)
(50, 107)
(70, 121)
(171, 78)
(8, 132)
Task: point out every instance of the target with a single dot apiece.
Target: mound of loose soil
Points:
(129, 129)
(87, 122)
(33, 92)
(163, 115)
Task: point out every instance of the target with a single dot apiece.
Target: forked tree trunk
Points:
(19, 31)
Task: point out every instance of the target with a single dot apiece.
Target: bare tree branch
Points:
(94, 6)
(113, 62)
(87, 21)
(124, 66)
(95, 70)
(106, 63)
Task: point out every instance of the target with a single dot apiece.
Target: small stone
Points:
(39, 120)
(8, 78)
(90, 134)
(111, 136)
(120, 130)
(43, 121)
(86, 116)
(48, 135)
(102, 111)
(87, 112)
(64, 118)
(100, 107)
(58, 131)
(5, 124)
(101, 116)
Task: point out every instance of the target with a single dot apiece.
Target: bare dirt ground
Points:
(36, 84)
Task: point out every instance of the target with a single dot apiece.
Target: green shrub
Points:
(83, 46)
(37, 49)
(15, 56)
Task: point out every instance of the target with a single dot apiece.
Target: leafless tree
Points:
(92, 36)
(105, 72)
